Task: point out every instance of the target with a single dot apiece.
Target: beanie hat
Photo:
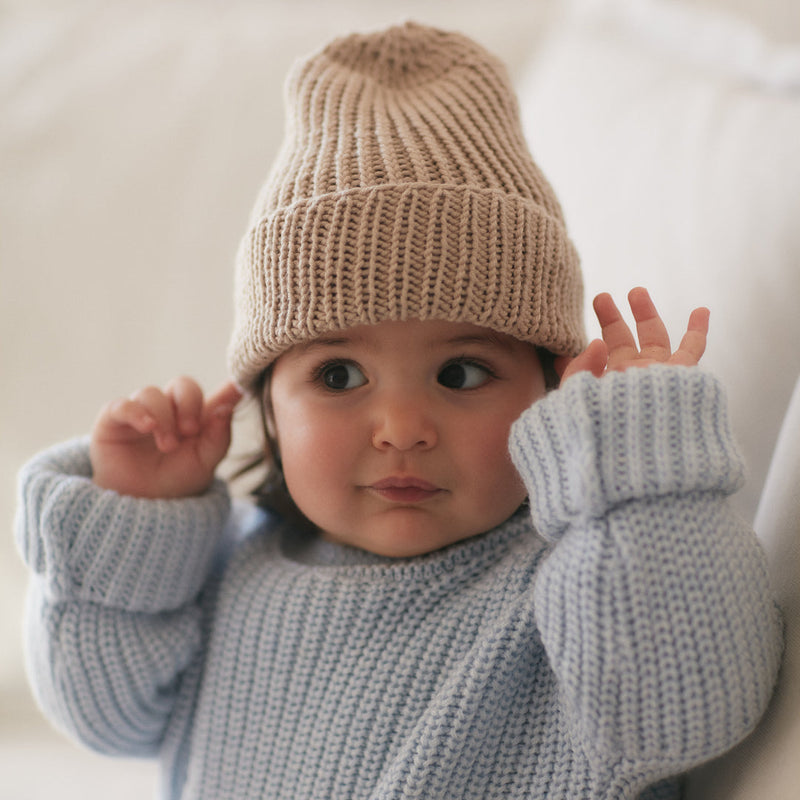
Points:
(404, 190)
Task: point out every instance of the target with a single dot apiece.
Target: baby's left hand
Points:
(617, 350)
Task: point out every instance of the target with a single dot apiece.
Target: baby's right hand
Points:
(163, 443)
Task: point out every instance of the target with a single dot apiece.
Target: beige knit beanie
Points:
(404, 190)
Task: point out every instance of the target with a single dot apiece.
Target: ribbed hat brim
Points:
(403, 251)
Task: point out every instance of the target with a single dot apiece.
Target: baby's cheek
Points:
(497, 484)
(315, 467)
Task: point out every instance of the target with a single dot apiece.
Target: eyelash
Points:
(318, 373)
(469, 361)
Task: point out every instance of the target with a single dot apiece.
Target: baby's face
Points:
(394, 437)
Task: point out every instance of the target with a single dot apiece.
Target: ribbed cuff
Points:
(98, 546)
(595, 443)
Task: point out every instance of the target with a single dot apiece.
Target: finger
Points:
(216, 439)
(160, 407)
(615, 331)
(126, 413)
(650, 328)
(187, 399)
(218, 412)
(693, 344)
(224, 400)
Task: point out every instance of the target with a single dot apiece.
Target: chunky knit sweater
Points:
(610, 636)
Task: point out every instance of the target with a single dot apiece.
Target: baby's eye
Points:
(463, 375)
(342, 376)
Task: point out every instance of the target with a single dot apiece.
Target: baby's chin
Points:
(404, 533)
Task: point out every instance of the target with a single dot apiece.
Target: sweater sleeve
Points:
(113, 616)
(654, 603)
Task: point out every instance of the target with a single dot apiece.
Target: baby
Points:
(492, 561)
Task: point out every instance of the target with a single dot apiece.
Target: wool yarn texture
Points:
(582, 651)
(404, 190)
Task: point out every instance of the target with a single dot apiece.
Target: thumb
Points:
(593, 359)
(224, 400)
(218, 415)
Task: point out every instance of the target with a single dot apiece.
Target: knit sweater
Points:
(611, 635)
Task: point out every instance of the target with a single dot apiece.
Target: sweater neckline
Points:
(302, 550)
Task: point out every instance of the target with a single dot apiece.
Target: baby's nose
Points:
(404, 424)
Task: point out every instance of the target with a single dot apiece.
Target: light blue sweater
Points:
(626, 635)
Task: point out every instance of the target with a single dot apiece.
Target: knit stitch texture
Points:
(404, 190)
(626, 637)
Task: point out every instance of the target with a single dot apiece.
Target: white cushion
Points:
(671, 136)
(766, 764)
